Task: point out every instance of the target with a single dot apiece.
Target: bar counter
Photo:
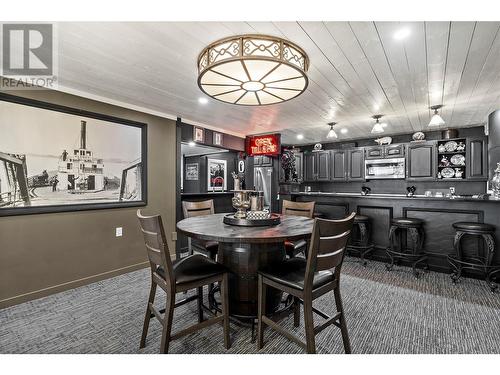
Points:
(438, 213)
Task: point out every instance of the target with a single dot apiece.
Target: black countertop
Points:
(395, 196)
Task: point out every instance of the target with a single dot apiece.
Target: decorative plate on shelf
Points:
(458, 159)
(450, 146)
(447, 173)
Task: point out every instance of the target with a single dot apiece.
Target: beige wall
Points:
(47, 253)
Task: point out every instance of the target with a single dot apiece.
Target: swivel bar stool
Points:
(479, 260)
(360, 239)
(397, 247)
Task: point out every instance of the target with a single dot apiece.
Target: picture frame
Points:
(217, 139)
(192, 171)
(198, 134)
(216, 175)
(68, 159)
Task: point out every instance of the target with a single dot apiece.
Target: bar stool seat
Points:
(407, 222)
(474, 227)
(415, 228)
(360, 238)
(479, 261)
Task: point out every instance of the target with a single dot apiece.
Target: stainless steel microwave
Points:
(380, 169)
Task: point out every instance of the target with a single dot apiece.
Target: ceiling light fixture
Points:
(378, 127)
(344, 130)
(253, 70)
(202, 100)
(436, 120)
(331, 133)
(402, 33)
(300, 136)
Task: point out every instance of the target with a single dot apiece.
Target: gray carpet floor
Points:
(387, 312)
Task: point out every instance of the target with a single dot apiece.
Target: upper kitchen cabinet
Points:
(385, 151)
(421, 161)
(262, 161)
(476, 164)
(339, 165)
(348, 165)
(317, 166)
(356, 164)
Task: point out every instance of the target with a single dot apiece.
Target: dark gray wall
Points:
(200, 186)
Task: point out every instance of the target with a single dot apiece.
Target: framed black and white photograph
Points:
(192, 171)
(198, 134)
(217, 139)
(55, 158)
(216, 175)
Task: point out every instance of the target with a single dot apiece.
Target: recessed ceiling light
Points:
(203, 100)
(376, 107)
(300, 136)
(402, 33)
(344, 130)
(191, 144)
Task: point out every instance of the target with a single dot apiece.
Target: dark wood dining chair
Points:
(191, 272)
(305, 209)
(309, 279)
(192, 209)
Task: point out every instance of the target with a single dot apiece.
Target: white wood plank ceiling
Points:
(357, 69)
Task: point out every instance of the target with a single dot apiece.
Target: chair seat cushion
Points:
(475, 227)
(292, 248)
(193, 268)
(407, 221)
(291, 273)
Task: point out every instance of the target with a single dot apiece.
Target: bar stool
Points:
(415, 228)
(482, 262)
(361, 243)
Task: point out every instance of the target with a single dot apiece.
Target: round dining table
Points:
(244, 250)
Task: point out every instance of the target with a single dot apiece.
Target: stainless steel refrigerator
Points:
(262, 179)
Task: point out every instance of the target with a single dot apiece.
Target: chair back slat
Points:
(192, 209)
(305, 209)
(327, 248)
(156, 244)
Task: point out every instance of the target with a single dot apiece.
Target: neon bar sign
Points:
(269, 144)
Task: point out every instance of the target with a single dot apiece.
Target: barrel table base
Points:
(244, 260)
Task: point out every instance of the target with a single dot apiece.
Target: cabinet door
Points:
(374, 152)
(309, 167)
(323, 166)
(356, 165)
(266, 161)
(476, 164)
(421, 161)
(394, 151)
(338, 170)
(299, 166)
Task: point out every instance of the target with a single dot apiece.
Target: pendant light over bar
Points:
(331, 134)
(378, 127)
(253, 70)
(436, 120)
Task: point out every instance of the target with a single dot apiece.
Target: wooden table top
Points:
(212, 228)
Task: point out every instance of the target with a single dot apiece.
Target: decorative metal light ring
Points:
(253, 70)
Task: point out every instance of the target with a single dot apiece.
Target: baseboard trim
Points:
(11, 301)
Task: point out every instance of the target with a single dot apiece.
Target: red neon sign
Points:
(269, 144)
